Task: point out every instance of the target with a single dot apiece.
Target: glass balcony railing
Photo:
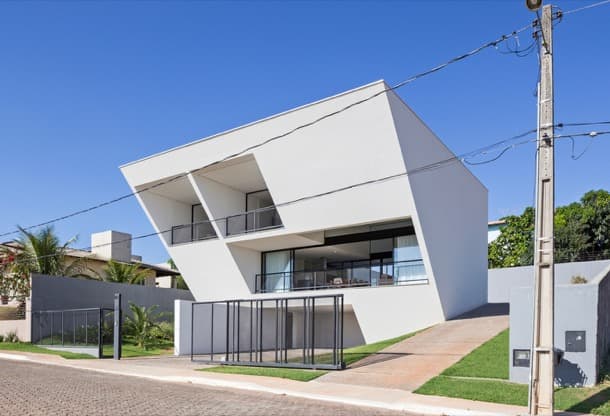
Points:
(365, 273)
(257, 220)
(192, 232)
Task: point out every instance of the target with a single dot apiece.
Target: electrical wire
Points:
(590, 6)
(425, 168)
(473, 52)
(401, 84)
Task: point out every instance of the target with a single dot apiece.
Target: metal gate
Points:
(299, 332)
(87, 331)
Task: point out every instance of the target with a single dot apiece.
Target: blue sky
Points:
(88, 86)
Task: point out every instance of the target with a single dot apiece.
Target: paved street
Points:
(34, 389)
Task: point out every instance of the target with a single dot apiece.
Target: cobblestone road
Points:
(34, 389)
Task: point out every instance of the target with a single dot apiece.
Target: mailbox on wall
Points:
(576, 341)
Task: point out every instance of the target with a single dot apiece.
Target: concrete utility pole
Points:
(543, 355)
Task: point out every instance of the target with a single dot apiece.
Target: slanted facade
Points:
(285, 218)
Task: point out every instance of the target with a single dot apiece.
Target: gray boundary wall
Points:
(54, 293)
(578, 307)
(501, 281)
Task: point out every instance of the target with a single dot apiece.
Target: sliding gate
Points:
(299, 332)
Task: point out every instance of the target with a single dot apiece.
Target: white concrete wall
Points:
(21, 327)
(164, 213)
(502, 281)
(379, 138)
(451, 219)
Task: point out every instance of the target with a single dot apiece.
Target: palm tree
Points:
(42, 252)
(180, 282)
(118, 272)
(141, 324)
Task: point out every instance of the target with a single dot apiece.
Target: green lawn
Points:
(289, 373)
(27, 347)
(129, 350)
(350, 356)
(490, 360)
(481, 376)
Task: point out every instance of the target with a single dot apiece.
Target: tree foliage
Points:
(142, 324)
(118, 272)
(42, 252)
(582, 232)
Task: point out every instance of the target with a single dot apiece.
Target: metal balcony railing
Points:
(361, 274)
(256, 220)
(192, 232)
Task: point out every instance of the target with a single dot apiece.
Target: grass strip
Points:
(27, 347)
(288, 373)
(490, 360)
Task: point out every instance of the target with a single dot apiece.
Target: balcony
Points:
(256, 220)
(363, 274)
(187, 233)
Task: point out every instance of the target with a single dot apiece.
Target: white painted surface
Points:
(373, 140)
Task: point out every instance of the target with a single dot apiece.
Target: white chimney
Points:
(112, 245)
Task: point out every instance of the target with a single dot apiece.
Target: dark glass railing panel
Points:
(260, 219)
(360, 274)
(192, 232)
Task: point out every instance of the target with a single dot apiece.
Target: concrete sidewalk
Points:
(410, 363)
(181, 370)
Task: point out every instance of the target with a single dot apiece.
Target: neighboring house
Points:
(112, 245)
(407, 252)
(493, 229)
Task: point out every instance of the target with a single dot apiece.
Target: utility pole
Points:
(543, 354)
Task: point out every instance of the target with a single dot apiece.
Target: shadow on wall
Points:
(569, 374)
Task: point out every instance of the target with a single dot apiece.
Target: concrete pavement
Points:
(181, 370)
(410, 363)
(34, 389)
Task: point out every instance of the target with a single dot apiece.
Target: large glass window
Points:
(351, 260)
(408, 264)
(278, 268)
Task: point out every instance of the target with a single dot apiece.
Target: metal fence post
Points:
(227, 333)
(100, 342)
(192, 327)
(118, 339)
(212, 335)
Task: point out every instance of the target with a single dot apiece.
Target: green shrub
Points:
(164, 331)
(142, 324)
(11, 337)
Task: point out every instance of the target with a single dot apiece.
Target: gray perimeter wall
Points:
(575, 310)
(53, 293)
(501, 281)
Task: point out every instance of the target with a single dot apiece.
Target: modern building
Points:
(351, 204)
(493, 229)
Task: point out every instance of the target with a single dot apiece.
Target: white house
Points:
(407, 252)
(493, 229)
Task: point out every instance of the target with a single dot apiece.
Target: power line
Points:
(425, 168)
(401, 84)
(421, 169)
(590, 6)
(473, 52)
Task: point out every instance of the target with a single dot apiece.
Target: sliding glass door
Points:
(278, 271)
